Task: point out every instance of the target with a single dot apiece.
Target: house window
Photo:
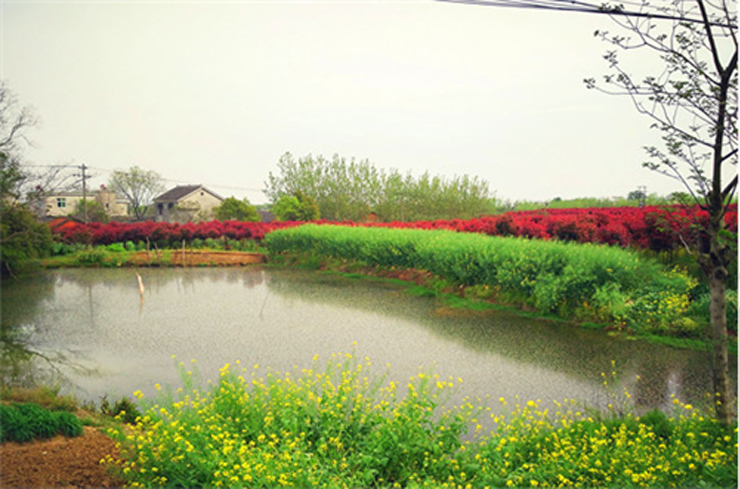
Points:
(61, 202)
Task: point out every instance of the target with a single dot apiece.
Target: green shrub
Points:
(124, 409)
(590, 282)
(23, 239)
(115, 248)
(94, 256)
(26, 422)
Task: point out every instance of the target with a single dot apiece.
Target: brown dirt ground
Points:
(58, 462)
(189, 258)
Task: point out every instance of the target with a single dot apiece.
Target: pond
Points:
(90, 331)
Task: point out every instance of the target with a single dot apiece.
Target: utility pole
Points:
(84, 177)
(84, 192)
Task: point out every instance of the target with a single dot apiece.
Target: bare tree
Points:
(138, 186)
(692, 101)
(15, 121)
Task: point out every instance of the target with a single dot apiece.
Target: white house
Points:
(186, 203)
(64, 203)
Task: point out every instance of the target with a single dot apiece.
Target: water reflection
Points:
(91, 328)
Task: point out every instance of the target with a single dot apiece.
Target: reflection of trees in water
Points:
(24, 364)
(557, 346)
(155, 278)
(21, 364)
(189, 278)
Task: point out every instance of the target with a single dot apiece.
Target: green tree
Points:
(296, 207)
(350, 190)
(95, 212)
(232, 209)
(22, 237)
(138, 186)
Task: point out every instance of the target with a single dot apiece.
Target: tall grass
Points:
(340, 426)
(585, 281)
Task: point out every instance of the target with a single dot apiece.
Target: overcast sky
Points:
(216, 92)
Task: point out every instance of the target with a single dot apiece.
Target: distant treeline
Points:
(357, 190)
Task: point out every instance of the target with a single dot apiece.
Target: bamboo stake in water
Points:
(141, 284)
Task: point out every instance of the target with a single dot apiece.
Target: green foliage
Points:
(123, 409)
(571, 449)
(699, 310)
(138, 186)
(296, 207)
(346, 425)
(60, 249)
(592, 283)
(26, 422)
(22, 238)
(92, 256)
(95, 211)
(232, 209)
(11, 177)
(115, 248)
(587, 202)
(350, 190)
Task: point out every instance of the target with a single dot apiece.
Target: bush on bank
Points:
(583, 281)
(28, 421)
(341, 426)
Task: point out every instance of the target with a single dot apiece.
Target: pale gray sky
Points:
(216, 92)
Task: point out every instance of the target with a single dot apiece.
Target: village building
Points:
(186, 203)
(64, 203)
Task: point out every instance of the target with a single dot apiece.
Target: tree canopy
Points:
(22, 237)
(232, 209)
(351, 190)
(296, 207)
(138, 186)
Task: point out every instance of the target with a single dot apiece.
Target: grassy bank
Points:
(338, 425)
(586, 283)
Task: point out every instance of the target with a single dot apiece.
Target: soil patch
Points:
(193, 258)
(58, 462)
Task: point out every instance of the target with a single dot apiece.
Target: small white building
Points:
(64, 203)
(186, 203)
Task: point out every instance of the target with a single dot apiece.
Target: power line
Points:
(640, 9)
(178, 181)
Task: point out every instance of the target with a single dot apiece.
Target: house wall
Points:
(197, 206)
(112, 207)
(204, 201)
(59, 205)
(64, 204)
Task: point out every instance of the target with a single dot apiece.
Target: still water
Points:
(91, 331)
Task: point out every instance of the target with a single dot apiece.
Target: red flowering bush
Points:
(651, 228)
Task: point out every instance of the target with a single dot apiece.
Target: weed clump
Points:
(26, 422)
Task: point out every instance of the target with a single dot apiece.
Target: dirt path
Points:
(59, 462)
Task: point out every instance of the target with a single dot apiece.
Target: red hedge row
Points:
(166, 234)
(654, 228)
